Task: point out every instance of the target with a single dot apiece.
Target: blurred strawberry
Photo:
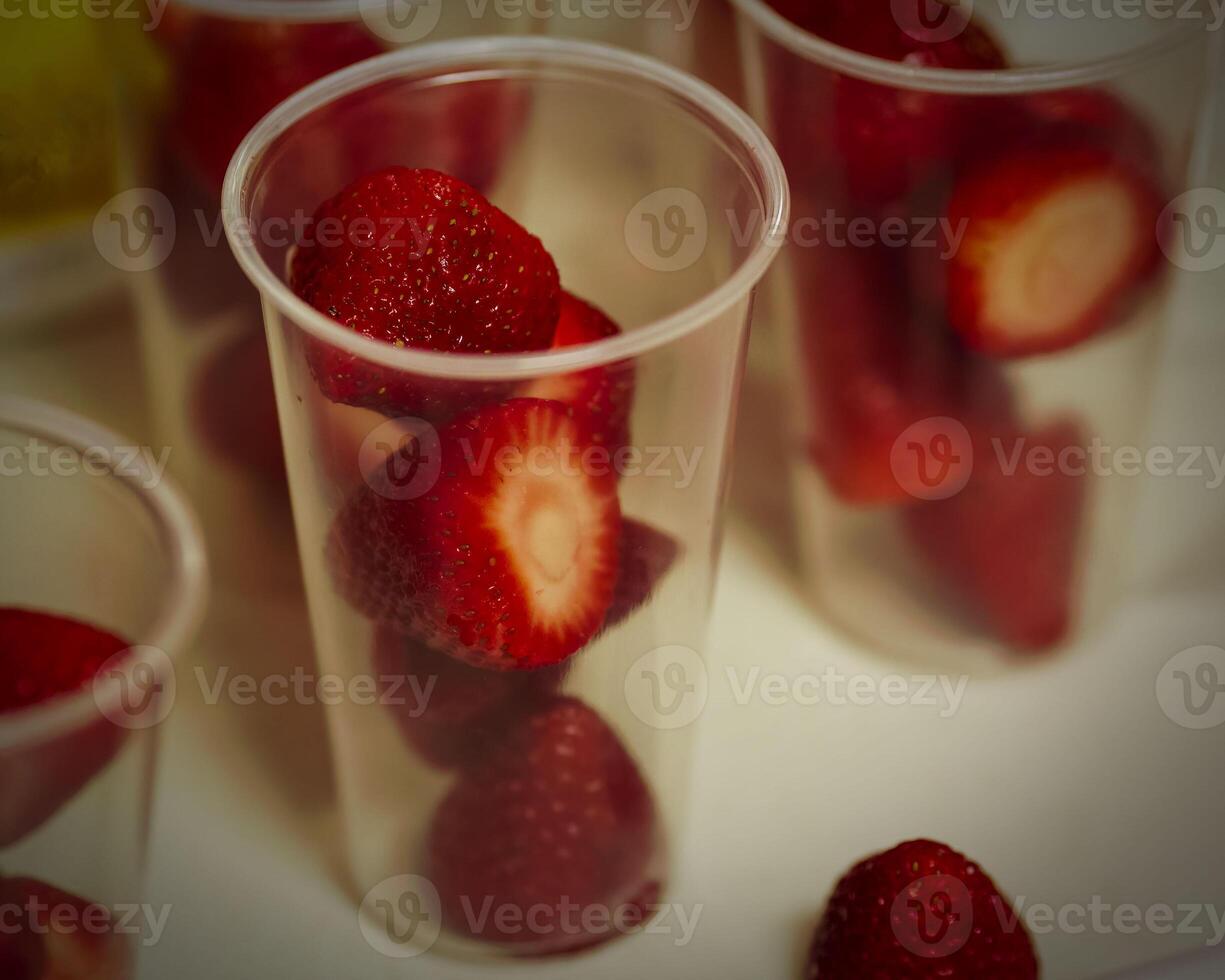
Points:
(888, 139)
(1008, 542)
(646, 556)
(508, 561)
(235, 407)
(920, 911)
(556, 816)
(417, 259)
(229, 73)
(451, 712)
(1056, 242)
(604, 394)
(59, 936)
(44, 657)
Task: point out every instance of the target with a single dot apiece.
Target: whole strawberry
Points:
(548, 839)
(508, 559)
(920, 911)
(415, 258)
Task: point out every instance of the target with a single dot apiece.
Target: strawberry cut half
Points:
(920, 911)
(51, 934)
(448, 711)
(509, 560)
(556, 818)
(605, 394)
(44, 657)
(1007, 543)
(415, 258)
(1056, 242)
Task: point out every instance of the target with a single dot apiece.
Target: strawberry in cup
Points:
(987, 276)
(506, 437)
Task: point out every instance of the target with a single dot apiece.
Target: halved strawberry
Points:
(604, 394)
(509, 561)
(51, 934)
(920, 911)
(1056, 240)
(416, 258)
(1008, 542)
(552, 828)
(646, 555)
(228, 73)
(448, 710)
(235, 410)
(43, 657)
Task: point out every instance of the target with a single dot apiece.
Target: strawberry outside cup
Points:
(105, 578)
(502, 550)
(968, 314)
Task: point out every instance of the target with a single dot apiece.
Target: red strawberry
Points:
(920, 911)
(1008, 541)
(888, 139)
(605, 394)
(415, 258)
(645, 558)
(59, 936)
(449, 711)
(43, 657)
(1056, 240)
(228, 74)
(556, 818)
(509, 560)
(873, 370)
(235, 407)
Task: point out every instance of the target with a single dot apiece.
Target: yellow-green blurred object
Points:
(58, 127)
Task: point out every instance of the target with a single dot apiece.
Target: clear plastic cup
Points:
(92, 533)
(932, 522)
(611, 144)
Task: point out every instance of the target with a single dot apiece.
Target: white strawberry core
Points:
(1071, 251)
(553, 521)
